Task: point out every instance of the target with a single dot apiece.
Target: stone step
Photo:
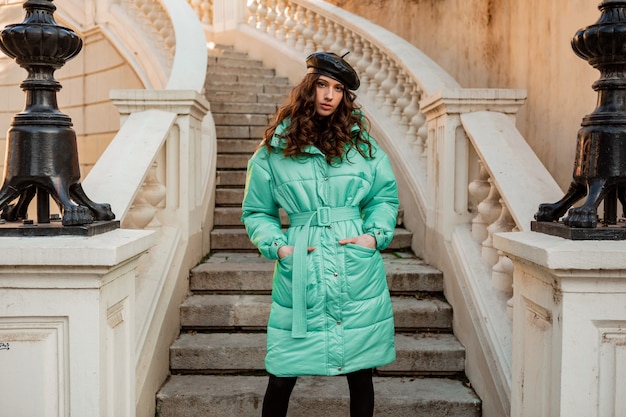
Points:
(233, 160)
(212, 85)
(250, 312)
(244, 97)
(240, 132)
(237, 238)
(416, 354)
(246, 108)
(242, 396)
(229, 196)
(241, 119)
(236, 146)
(227, 216)
(239, 68)
(228, 77)
(220, 62)
(231, 216)
(225, 50)
(229, 272)
(230, 178)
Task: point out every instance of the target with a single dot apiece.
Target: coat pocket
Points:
(365, 272)
(282, 287)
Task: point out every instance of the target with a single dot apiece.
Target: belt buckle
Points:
(323, 216)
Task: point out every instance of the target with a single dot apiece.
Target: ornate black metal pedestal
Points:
(600, 165)
(41, 154)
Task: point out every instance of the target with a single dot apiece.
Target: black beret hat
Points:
(333, 66)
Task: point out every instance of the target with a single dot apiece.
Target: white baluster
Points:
(153, 193)
(195, 5)
(320, 34)
(207, 12)
(363, 63)
(422, 136)
(502, 274)
(281, 30)
(380, 78)
(388, 85)
(261, 12)
(372, 71)
(399, 99)
(140, 213)
(290, 25)
(330, 37)
(489, 210)
(410, 111)
(270, 17)
(253, 6)
(309, 32)
(489, 253)
(337, 44)
(299, 28)
(478, 191)
(352, 47)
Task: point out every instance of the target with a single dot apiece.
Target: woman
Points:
(331, 311)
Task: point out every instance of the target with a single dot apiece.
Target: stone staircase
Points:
(217, 362)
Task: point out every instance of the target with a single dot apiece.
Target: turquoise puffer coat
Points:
(331, 310)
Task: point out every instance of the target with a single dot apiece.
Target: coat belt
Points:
(323, 216)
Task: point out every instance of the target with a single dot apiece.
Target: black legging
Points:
(279, 389)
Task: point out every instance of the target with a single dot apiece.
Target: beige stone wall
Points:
(86, 81)
(507, 44)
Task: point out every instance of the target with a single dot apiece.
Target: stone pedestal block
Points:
(67, 338)
(569, 326)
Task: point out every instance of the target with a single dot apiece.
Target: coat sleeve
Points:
(380, 207)
(260, 212)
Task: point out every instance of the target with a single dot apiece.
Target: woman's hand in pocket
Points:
(363, 240)
(287, 250)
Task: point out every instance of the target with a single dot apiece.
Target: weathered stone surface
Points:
(252, 311)
(421, 353)
(242, 396)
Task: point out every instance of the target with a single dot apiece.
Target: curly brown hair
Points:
(333, 135)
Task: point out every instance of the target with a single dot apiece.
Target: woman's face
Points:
(328, 95)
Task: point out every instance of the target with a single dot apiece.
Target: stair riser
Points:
(231, 216)
(226, 51)
(241, 119)
(240, 97)
(213, 86)
(230, 78)
(315, 397)
(240, 70)
(228, 196)
(243, 108)
(254, 316)
(241, 353)
(236, 239)
(233, 161)
(261, 280)
(237, 146)
(245, 360)
(216, 63)
(240, 132)
(231, 178)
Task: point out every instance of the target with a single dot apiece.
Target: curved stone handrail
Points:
(159, 170)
